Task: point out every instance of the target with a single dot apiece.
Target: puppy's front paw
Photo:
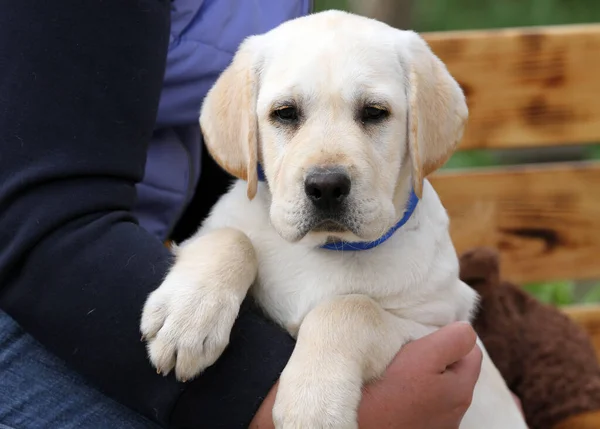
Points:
(188, 319)
(317, 399)
(187, 325)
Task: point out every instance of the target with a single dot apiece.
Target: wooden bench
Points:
(529, 88)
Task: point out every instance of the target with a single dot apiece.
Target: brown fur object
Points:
(546, 359)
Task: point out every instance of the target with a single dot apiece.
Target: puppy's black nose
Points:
(327, 189)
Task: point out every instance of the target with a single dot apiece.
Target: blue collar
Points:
(411, 205)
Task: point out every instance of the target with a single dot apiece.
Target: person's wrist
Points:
(263, 419)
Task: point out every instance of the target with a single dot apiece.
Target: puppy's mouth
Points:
(331, 226)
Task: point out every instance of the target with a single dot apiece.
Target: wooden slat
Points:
(545, 220)
(588, 420)
(588, 317)
(526, 87)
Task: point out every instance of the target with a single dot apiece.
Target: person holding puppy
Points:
(100, 156)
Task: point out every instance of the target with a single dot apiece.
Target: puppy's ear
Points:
(437, 109)
(228, 117)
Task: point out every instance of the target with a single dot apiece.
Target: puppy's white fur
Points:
(350, 311)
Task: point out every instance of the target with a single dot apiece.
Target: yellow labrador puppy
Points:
(341, 239)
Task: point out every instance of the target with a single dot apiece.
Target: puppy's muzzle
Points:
(327, 188)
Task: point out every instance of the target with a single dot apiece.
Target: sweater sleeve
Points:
(80, 83)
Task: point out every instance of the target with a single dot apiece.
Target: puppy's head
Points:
(344, 113)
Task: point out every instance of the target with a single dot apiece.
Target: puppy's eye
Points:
(373, 114)
(286, 114)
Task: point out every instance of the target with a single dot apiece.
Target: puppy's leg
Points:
(188, 319)
(341, 345)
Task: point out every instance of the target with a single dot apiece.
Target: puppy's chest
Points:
(293, 280)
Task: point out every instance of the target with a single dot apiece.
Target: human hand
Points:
(428, 385)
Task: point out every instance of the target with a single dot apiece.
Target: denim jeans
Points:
(38, 391)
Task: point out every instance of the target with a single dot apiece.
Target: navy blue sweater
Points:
(80, 82)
